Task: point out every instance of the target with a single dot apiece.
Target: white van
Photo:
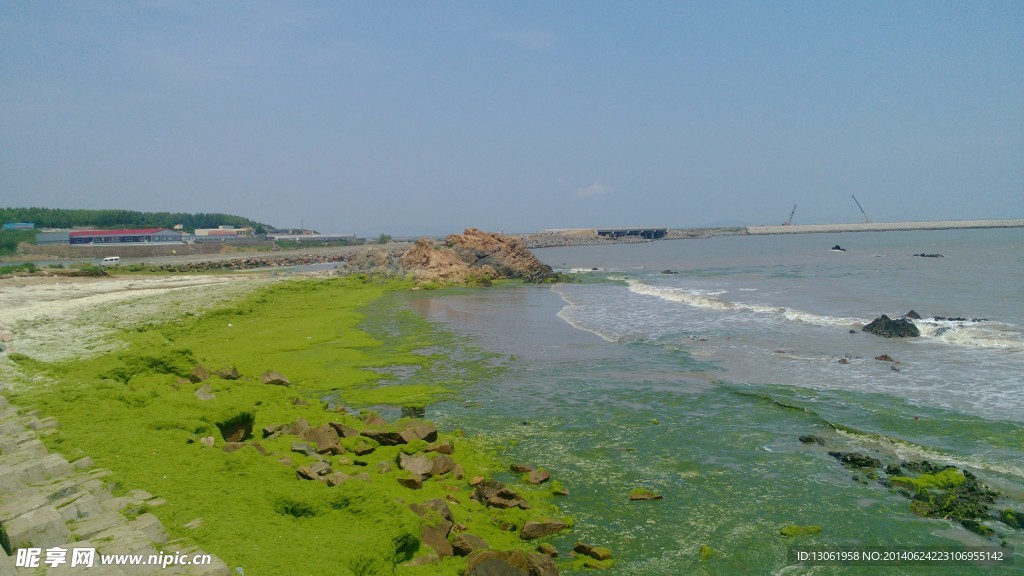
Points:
(111, 261)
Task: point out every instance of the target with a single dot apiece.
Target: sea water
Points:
(697, 384)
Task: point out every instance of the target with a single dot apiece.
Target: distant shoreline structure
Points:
(884, 226)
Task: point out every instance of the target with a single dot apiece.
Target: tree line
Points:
(70, 218)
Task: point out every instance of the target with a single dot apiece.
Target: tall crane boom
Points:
(790, 221)
(866, 219)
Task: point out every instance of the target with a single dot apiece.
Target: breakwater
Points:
(885, 226)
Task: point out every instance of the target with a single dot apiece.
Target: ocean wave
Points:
(972, 334)
(909, 451)
(969, 334)
(708, 299)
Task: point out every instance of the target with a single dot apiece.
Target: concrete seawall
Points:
(885, 226)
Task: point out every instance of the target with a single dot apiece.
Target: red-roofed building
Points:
(134, 236)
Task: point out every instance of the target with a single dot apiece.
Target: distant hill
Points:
(70, 218)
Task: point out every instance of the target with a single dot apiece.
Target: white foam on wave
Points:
(569, 313)
(707, 299)
(970, 334)
(908, 451)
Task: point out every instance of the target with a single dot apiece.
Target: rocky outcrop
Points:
(473, 256)
(889, 328)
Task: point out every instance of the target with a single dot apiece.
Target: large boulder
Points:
(474, 255)
(497, 563)
(889, 328)
(540, 528)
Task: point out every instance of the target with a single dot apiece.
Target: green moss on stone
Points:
(794, 530)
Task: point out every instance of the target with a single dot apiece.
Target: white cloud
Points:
(595, 189)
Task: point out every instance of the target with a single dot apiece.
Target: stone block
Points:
(43, 528)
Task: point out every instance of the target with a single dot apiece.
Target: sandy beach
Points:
(38, 312)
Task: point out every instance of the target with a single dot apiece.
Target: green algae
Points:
(948, 478)
(794, 530)
(135, 412)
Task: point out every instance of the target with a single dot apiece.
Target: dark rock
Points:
(343, 430)
(547, 549)
(229, 373)
(1013, 519)
(230, 447)
(844, 360)
(238, 427)
(303, 448)
(538, 529)
(384, 437)
(542, 565)
(276, 378)
(538, 477)
(838, 248)
(446, 447)
(437, 538)
(522, 468)
(374, 419)
(497, 563)
(465, 544)
(441, 464)
(413, 411)
(296, 428)
(669, 272)
(419, 431)
(884, 358)
(335, 479)
(811, 439)
(912, 315)
(325, 437)
(199, 373)
(313, 471)
(595, 552)
(889, 328)
(436, 506)
(419, 465)
(893, 470)
(363, 448)
(923, 255)
(413, 482)
(856, 460)
(495, 494)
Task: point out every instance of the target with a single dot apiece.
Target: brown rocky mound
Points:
(473, 255)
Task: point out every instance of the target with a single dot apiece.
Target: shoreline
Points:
(43, 305)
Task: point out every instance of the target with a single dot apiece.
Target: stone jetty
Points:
(47, 502)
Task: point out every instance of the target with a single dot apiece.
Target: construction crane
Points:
(790, 221)
(866, 219)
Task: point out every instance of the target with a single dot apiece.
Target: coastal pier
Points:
(884, 226)
(648, 233)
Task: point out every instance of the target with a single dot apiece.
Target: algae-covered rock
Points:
(465, 544)
(856, 460)
(889, 328)
(706, 552)
(641, 493)
(595, 552)
(538, 476)
(812, 439)
(237, 427)
(540, 528)
(199, 374)
(794, 530)
(275, 378)
(498, 563)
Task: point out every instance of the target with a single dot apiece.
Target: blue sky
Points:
(428, 117)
